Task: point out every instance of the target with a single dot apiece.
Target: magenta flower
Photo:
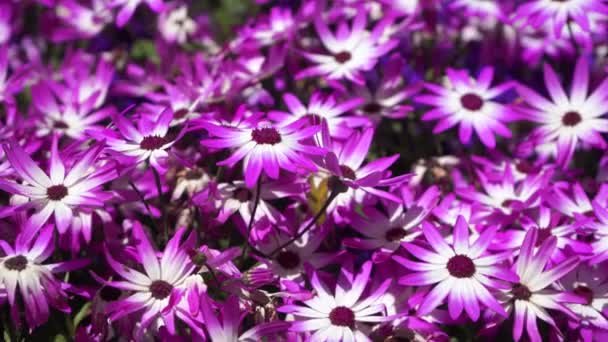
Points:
(11, 84)
(81, 20)
(385, 232)
(532, 295)
(590, 283)
(341, 316)
(127, 8)
(322, 108)
(167, 280)
(463, 272)
(345, 159)
(264, 146)
(470, 103)
(63, 113)
(352, 49)
(506, 197)
(22, 268)
(566, 120)
(148, 141)
(62, 191)
(224, 326)
(557, 13)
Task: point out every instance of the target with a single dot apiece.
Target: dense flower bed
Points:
(390, 170)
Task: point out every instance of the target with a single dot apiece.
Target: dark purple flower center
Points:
(60, 124)
(543, 235)
(521, 292)
(372, 107)
(395, 234)
(192, 174)
(16, 263)
(571, 119)
(471, 101)
(242, 195)
(109, 293)
(152, 142)
(584, 292)
(56, 192)
(525, 167)
(180, 113)
(342, 316)
(342, 57)
(461, 266)
(160, 289)
(288, 259)
(347, 172)
(266, 135)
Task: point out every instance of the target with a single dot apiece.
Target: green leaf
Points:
(145, 49)
(84, 312)
(60, 338)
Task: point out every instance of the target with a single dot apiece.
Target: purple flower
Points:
(352, 49)
(127, 8)
(538, 12)
(568, 120)
(264, 146)
(225, 327)
(148, 141)
(400, 223)
(340, 316)
(322, 108)
(470, 103)
(22, 268)
(464, 273)
(345, 159)
(167, 280)
(531, 296)
(63, 190)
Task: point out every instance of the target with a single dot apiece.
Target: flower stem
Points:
(163, 205)
(334, 193)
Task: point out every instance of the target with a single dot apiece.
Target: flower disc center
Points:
(472, 102)
(372, 108)
(342, 316)
(347, 172)
(395, 234)
(572, 118)
(342, 57)
(584, 292)
(521, 292)
(152, 142)
(266, 135)
(160, 289)
(288, 259)
(56, 192)
(461, 266)
(16, 263)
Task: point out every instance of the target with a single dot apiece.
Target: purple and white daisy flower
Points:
(532, 295)
(538, 12)
(22, 268)
(167, 280)
(463, 273)
(353, 49)
(470, 103)
(341, 316)
(265, 147)
(61, 191)
(146, 141)
(566, 120)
